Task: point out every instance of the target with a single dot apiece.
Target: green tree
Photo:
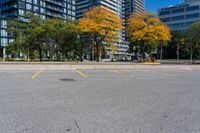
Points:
(64, 35)
(35, 35)
(193, 39)
(29, 35)
(178, 42)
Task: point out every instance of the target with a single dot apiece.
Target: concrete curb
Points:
(94, 67)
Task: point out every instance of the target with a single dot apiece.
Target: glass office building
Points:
(181, 16)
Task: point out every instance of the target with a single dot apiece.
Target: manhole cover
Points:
(67, 79)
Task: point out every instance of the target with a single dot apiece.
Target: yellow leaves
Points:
(114, 48)
(148, 28)
(100, 21)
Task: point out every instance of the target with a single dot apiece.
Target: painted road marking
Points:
(37, 73)
(120, 72)
(81, 74)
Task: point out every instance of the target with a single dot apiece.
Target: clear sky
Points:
(153, 5)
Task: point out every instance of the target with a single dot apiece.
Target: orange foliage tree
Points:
(148, 31)
(102, 25)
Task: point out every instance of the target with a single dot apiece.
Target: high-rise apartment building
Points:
(74, 9)
(83, 5)
(44, 8)
(16, 9)
(180, 16)
(131, 6)
(123, 8)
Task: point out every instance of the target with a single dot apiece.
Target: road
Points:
(100, 101)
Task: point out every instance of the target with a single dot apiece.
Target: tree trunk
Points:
(93, 53)
(177, 52)
(191, 55)
(143, 54)
(40, 54)
(97, 55)
(28, 57)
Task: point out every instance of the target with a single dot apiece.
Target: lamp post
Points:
(161, 50)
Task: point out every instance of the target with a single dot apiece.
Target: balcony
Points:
(8, 8)
(51, 14)
(58, 9)
(60, 3)
(7, 2)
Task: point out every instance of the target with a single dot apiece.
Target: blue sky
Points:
(153, 5)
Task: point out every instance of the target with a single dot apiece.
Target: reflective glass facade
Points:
(3, 34)
(181, 16)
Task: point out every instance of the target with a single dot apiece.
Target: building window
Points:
(42, 3)
(22, 5)
(28, 7)
(164, 13)
(21, 12)
(178, 10)
(42, 10)
(11, 40)
(36, 2)
(4, 41)
(165, 19)
(192, 8)
(177, 18)
(30, 1)
(36, 9)
(189, 16)
(3, 32)
(3, 23)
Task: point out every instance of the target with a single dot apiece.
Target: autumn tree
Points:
(148, 30)
(102, 25)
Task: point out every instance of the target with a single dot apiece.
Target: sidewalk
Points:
(90, 66)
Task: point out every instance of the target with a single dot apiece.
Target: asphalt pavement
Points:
(100, 101)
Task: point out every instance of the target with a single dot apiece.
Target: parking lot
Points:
(100, 101)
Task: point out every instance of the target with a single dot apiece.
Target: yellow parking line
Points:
(151, 63)
(81, 74)
(120, 72)
(37, 73)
